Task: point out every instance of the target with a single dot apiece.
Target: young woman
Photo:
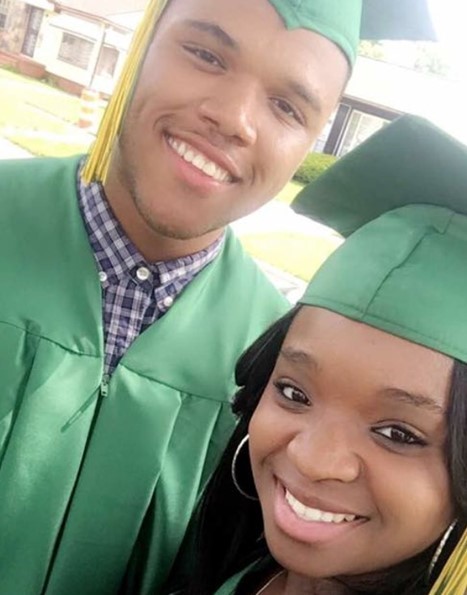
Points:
(347, 470)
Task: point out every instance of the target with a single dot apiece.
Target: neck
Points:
(154, 245)
(295, 584)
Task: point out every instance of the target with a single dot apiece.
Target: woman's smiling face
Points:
(347, 448)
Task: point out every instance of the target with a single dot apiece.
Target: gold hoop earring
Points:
(234, 470)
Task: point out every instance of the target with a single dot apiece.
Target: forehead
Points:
(260, 33)
(369, 357)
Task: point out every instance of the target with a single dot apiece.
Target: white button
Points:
(102, 277)
(143, 273)
(168, 301)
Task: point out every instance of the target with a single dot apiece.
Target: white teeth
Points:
(199, 161)
(189, 156)
(314, 514)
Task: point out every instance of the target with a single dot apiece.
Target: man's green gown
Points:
(98, 479)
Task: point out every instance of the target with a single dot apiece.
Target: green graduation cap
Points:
(400, 198)
(347, 21)
(401, 201)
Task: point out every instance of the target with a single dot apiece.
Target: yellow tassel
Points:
(97, 164)
(453, 577)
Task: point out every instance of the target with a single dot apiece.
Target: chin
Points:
(312, 564)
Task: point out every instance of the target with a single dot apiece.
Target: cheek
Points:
(411, 492)
(164, 83)
(263, 437)
(270, 431)
(282, 152)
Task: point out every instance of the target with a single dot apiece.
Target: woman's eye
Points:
(285, 108)
(204, 55)
(291, 393)
(400, 435)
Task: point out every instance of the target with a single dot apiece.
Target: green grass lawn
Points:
(38, 117)
(298, 254)
(295, 253)
(40, 95)
(289, 192)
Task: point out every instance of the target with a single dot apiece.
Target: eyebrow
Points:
(415, 399)
(297, 356)
(214, 30)
(303, 358)
(310, 97)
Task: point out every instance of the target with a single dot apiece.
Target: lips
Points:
(204, 158)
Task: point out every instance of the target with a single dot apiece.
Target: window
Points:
(75, 50)
(4, 9)
(360, 127)
(107, 62)
(325, 132)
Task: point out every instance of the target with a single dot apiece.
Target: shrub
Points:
(10, 68)
(313, 165)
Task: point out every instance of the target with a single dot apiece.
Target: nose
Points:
(231, 111)
(325, 452)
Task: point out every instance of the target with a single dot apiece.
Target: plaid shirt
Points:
(135, 293)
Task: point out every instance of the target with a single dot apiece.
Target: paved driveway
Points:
(9, 150)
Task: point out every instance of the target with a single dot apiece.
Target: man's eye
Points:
(400, 436)
(286, 109)
(204, 55)
(291, 393)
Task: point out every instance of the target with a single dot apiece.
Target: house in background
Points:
(75, 43)
(378, 92)
(20, 23)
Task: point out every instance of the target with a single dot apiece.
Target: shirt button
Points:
(168, 301)
(102, 277)
(143, 273)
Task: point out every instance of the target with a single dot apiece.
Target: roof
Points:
(401, 89)
(105, 8)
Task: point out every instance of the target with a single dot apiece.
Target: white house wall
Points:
(49, 51)
(50, 41)
(120, 42)
(385, 85)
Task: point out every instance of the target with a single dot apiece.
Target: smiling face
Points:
(347, 447)
(227, 105)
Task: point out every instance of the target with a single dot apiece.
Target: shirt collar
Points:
(116, 254)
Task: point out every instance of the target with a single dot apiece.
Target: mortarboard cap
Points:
(347, 21)
(400, 198)
(339, 20)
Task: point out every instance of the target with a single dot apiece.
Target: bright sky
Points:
(450, 20)
(444, 102)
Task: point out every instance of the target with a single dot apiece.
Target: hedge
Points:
(313, 165)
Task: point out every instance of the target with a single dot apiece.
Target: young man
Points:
(108, 433)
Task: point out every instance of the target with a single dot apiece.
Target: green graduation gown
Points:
(230, 586)
(98, 479)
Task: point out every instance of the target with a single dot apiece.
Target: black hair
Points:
(229, 535)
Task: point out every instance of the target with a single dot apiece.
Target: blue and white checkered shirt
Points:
(135, 293)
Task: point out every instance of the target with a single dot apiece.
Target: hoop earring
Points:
(440, 548)
(233, 469)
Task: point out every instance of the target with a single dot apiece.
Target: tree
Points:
(430, 58)
(371, 49)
